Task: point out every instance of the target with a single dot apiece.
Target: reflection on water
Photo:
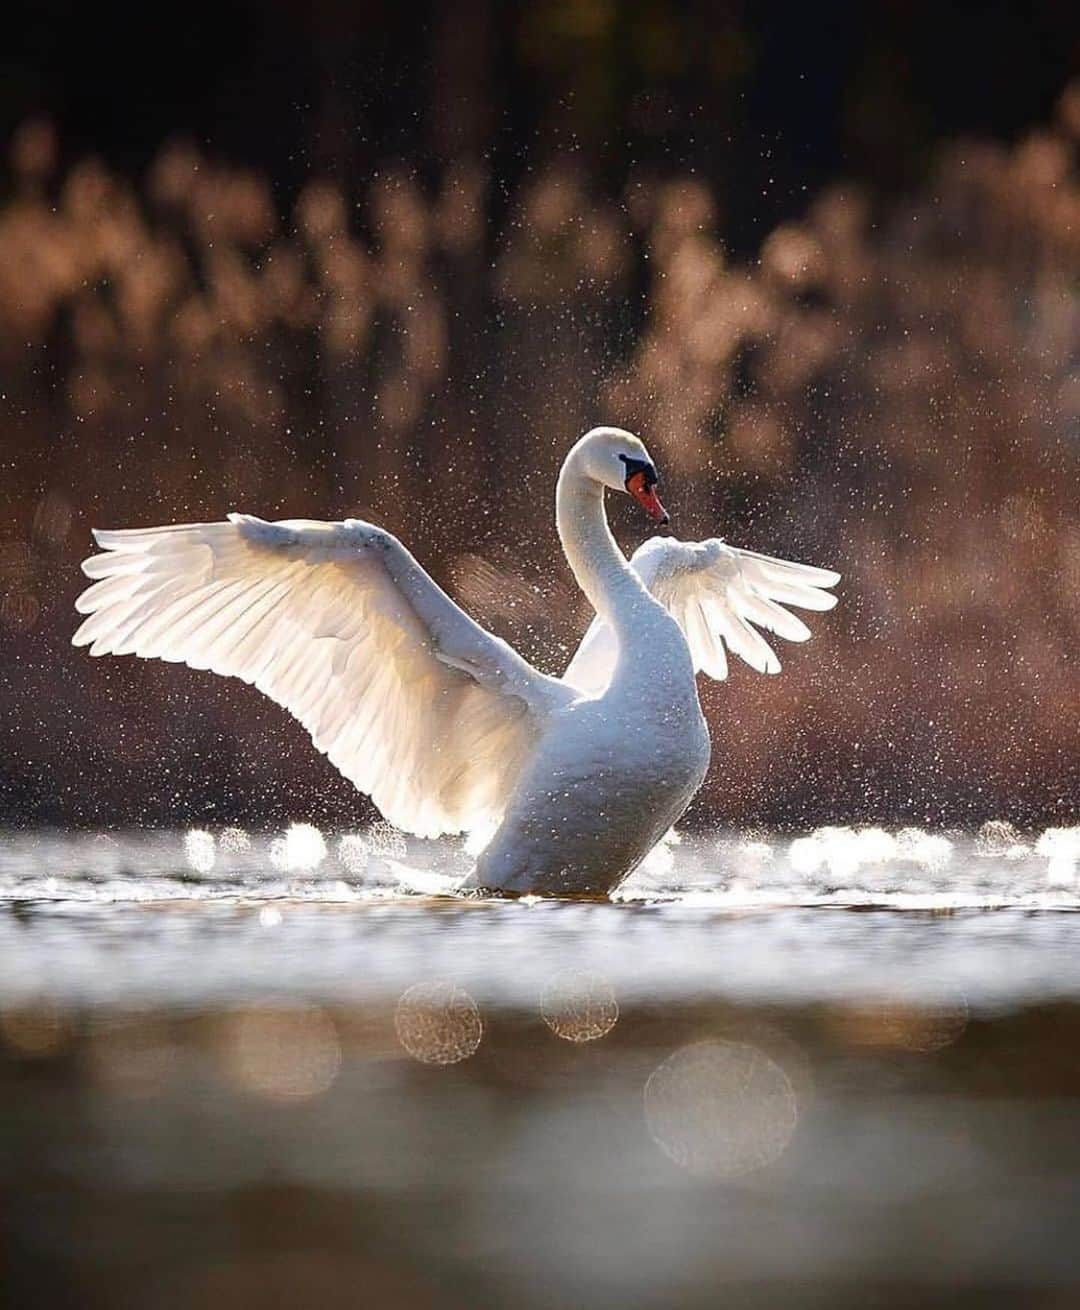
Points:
(284, 1052)
(579, 1007)
(35, 1029)
(438, 1023)
(721, 1108)
(909, 868)
(120, 918)
(298, 1086)
(130, 1055)
(929, 1024)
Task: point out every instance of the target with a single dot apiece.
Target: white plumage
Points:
(716, 593)
(416, 705)
(443, 724)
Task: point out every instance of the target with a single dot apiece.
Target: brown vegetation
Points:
(891, 393)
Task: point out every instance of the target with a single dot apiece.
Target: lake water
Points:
(831, 1069)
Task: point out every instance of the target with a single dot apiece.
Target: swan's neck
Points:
(612, 587)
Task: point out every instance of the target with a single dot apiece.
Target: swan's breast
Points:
(653, 701)
(638, 737)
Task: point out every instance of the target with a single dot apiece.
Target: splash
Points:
(301, 850)
(843, 852)
(235, 841)
(998, 838)
(201, 851)
(353, 852)
(1061, 848)
(386, 842)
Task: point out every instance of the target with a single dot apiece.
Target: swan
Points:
(444, 725)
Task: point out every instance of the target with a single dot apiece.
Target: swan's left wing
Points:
(414, 702)
(719, 595)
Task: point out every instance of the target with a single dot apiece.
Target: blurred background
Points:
(390, 260)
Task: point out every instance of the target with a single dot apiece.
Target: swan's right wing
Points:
(414, 702)
(719, 595)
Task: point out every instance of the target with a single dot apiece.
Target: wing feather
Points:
(413, 701)
(720, 596)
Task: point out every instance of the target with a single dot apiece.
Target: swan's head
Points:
(619, 460)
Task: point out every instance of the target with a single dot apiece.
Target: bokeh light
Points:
(923, 1023)
(132, 1056)
(301, 850)
(785, 397)
(1061, 849)
(438, 1022)
(579, 1006)
(234, 841)
(720, 1108)
(284, 1052)
(353, 851)
(201, 850)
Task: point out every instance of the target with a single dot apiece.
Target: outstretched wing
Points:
(414, 702)
(719, 595)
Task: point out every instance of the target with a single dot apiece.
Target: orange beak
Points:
(637, 485)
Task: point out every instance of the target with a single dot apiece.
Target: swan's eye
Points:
(638, 468)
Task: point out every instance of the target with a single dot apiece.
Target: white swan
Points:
(445, 726)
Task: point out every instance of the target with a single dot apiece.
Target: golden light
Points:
(33, 148)
(792, 256)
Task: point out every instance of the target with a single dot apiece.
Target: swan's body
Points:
(445, 726)
(619, 767)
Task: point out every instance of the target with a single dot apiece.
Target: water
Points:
(829, 1070)
(183, 920)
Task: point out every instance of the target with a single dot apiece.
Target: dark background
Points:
(769, 101)
(304, 259)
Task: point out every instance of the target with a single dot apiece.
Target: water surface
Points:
(831, 1069)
